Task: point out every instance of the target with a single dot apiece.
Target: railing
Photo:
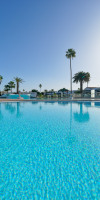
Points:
(86, 96)
(97, 95)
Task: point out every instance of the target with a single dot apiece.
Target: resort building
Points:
(91, 92)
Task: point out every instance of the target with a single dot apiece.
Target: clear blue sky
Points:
(35, 34)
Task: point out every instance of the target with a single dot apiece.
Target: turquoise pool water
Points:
(15, 96)
(49, 151)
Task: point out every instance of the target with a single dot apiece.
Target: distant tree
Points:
(45, 90)
(70, 54)
(34, 90)
(1, 78)
(81, 77)
(18, 80)
(12, 85)
(40, 86)
(6, 88)
(63, 90)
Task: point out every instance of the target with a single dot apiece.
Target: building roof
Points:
(91, 88)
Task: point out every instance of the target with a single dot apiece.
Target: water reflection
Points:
(87, 104)
(40, 107)
(34, 102)
(63, 103)
(18, 112)
(97, 104)
(39, 103)
(10, 107)
(81, 116)
(50, 102)
(71, 138)
(1, 115)
(13, 108)
(92, 104)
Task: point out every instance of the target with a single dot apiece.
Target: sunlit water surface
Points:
(49, 151)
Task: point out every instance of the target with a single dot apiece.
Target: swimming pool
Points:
(49, 150)
(16, 96)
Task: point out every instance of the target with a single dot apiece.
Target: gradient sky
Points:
(35, 35)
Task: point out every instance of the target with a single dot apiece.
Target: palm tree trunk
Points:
(81, 86)
(70, 76)
(17, 88)
(0, 90)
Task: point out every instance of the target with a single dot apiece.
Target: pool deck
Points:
(48, 100)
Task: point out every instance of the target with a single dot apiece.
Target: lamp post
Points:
(0, 84)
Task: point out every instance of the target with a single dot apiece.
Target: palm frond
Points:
(70, 53)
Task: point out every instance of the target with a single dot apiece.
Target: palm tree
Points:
(6, 88)
(81, 77)
(12, 85)
(87, 78)
(70, 54)
(40, 86)
(1, 78)
(18, 80)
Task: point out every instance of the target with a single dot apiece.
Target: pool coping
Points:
(48, 100)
